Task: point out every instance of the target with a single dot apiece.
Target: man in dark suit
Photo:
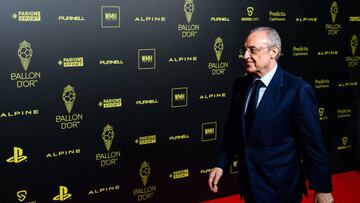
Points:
(273, 128)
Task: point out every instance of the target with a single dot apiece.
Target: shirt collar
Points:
(268, 76)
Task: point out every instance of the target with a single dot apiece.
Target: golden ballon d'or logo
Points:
(189, 8)
(354, 43)
(235, 164)
(218, 48)
(25, 53)
(144, 172)
(69, 96)
(108, 135)
(334, 9)
(344, 140)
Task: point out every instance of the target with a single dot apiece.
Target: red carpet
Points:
(346, 190)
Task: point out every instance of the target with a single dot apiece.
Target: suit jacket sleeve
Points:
(228, 143)
(315, 157)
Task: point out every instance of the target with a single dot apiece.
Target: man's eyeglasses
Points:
(255, 50)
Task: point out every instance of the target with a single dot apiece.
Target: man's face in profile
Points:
(258, 55)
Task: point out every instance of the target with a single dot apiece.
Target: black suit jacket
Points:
(286, 138)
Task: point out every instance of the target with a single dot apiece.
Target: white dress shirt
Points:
(266, 79)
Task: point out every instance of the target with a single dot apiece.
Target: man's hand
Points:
(214, 178)
(323, 198)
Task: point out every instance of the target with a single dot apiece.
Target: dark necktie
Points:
(251, 107)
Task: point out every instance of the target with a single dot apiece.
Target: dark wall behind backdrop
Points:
(125, 101)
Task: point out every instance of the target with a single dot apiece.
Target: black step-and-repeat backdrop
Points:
(125, 101)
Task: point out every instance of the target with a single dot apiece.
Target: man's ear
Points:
(274, 52)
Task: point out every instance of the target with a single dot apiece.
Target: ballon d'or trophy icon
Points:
(218, 47)
(108, 135)
(144, 172)
(334, 9)
(189, 9)
(69, 97)
(344, 140)
(25, 53)
(354, 43)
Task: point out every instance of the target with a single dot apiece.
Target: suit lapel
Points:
(268, 102)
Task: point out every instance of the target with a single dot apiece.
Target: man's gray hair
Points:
(273, 36)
